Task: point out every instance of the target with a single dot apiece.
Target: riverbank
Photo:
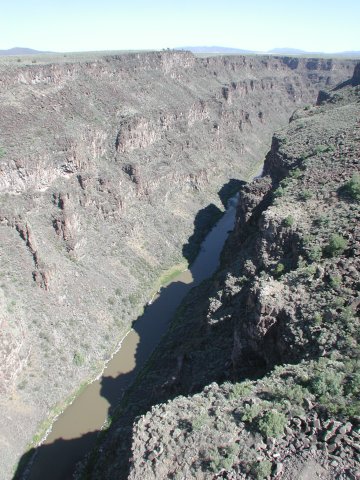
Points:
(124, 366)
(165, 278)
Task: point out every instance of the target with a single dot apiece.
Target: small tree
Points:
(261, 470)
(336, 245)
(352, 187)
(272, 424)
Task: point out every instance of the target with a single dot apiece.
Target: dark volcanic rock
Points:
(279, 305)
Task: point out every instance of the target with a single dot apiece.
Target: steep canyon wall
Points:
(103, 167)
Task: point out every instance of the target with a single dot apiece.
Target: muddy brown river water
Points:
(75, 431)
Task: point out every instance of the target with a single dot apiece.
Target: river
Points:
(74, 432)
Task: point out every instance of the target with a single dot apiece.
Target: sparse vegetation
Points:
(305, 320)
(281, 295)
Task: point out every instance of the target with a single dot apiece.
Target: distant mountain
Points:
(295, 51)
(215, 49)
(349, 54)
(287, 51)
(20, 51)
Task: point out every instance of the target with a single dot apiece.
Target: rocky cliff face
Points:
(103, 166)
(283, 312)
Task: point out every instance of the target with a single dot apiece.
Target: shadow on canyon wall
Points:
(58, 459)
(207, 217)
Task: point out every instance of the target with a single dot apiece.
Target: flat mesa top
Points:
(62, 57)
(80, 57)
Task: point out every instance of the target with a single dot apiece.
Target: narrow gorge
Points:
(111, 171)
(258, 375)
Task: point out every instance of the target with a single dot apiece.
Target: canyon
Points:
(105, 165)
(257, 376)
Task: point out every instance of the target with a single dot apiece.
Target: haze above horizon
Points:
(67, 26)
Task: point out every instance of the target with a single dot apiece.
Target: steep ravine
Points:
(258, 376)
(104, 165)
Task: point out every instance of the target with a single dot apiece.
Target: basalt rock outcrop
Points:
(103, 166)
(258, 376)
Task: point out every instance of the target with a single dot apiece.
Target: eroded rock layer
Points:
(103, 167)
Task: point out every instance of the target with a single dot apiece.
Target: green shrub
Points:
(272, 424)
(240, 390)
(318, 318)
(133, 299)
(352, 187)
(289, 221)
(285, 182)
(279, 192)
(223, 458)
(2, 152)
(305, 195)
(353, 409)
(78, 359)
(336, 245)
(335, 281)
(306, 155)
(250, 412)
(327, 383)
(309, 271)
(322, 221)
(200, 421)
(315, 253)
(295, 393)
(322, 149)
(296, 173)
(261, 470)
(353, 385)
(349, 321)
(279, 269)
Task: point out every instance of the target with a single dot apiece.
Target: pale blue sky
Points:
(78, 25)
